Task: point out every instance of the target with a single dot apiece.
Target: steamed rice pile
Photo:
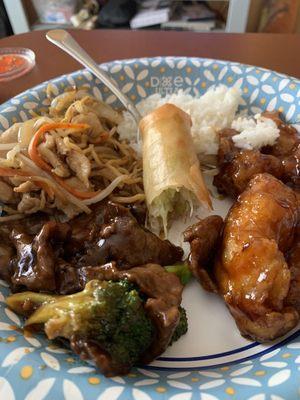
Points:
(213, 111)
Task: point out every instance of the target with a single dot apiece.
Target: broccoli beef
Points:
(122, 319)
(44, 258)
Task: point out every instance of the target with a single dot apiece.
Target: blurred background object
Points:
(274, 16)
(5, 27)
(87, 16)
(55, 11)
(278, 16)
(116, 13)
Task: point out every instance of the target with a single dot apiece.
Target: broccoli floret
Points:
(181, 270)
(120, 322)
(108, 313)
(182, 327)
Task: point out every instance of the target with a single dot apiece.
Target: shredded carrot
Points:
(44, 186)
(11, 172)
(38, 160)
(32, 148)
(70, 189)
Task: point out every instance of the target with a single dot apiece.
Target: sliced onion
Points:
(107, 191)
(7, 163)
(7, 146)
(128, 200)
(25, 132)
(11, 134)
(41, 121)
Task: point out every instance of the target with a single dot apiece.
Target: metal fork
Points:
(66, 42)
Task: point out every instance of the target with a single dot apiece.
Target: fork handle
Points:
(66, 42)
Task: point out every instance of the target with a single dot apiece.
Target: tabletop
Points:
(274, 51)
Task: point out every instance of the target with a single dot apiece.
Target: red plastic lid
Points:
(15, 62)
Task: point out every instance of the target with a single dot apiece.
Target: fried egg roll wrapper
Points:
(169, 157)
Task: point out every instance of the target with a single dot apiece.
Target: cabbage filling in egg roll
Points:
(172, 177)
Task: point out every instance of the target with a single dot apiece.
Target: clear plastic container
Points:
(15, 62)
(55, 11)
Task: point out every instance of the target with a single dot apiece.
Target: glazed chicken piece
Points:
(287, 149)
(288, 137)
(251, 271)
(293, 260)
(204, 238)
(238, 166)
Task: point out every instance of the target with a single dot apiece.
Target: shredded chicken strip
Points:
(81, 165)
(58, 166)
(26, 187)
(29, 205)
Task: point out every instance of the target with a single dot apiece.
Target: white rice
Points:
(255, 132)
(213, 111)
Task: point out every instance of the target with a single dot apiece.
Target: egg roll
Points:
(173, 181)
